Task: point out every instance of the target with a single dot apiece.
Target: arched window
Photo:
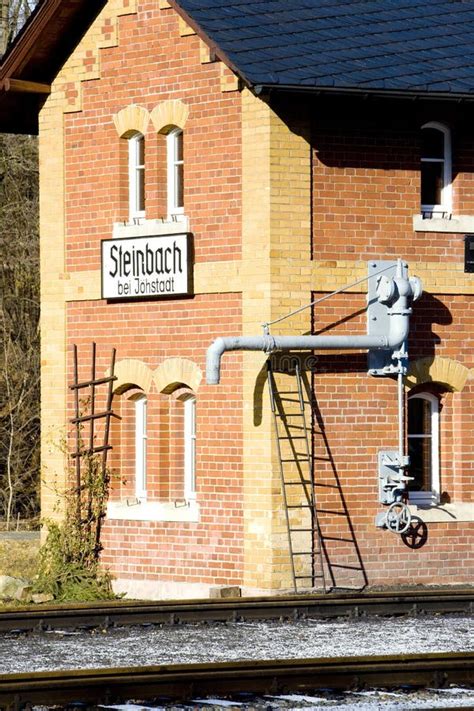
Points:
(423, 448)
(136, 175)
(189, 447)
(140, 403)
(436, 170)
(175, 180)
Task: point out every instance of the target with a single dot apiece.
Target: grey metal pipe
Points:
(268, 344)
(400, 294)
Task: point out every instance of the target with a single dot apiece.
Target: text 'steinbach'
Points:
(141, 267)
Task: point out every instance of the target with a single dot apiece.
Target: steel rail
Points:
(122, 612)
(186, 681)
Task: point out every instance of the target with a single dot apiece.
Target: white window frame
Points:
(432, 496)
(446, 205)
(136, 177)
(190, 448)
(172, 173)
(140, 404)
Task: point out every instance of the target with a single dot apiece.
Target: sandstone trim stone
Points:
(175, 371)
(167, 114)
(131, 372)
(131, 119)
(436, 369)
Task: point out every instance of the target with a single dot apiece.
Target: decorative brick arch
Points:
(131, 372)
(131, 119)
(175, 371)
(169, 113)
(446, 371)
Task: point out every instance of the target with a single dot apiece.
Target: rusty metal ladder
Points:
(297, 481)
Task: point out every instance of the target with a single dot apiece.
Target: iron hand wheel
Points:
(398, 517)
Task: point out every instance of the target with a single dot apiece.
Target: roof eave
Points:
(261, 88)
(25, 77)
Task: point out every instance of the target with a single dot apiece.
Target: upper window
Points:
(436, 193)
(175, 155)
(423, 448)
(136, 175)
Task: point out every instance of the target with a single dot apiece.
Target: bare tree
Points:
(13, 14)
(19, 329)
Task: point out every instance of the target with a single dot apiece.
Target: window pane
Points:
(419, 416)
(419, 451)
(140, 189)
(431, 182)
(179, 185)
(179, 146)
(141, 150)
(432, 143)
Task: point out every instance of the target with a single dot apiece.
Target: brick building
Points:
(274, 152)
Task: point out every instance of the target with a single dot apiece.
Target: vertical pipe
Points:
(401, 418)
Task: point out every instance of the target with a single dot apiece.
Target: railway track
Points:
(107, 614)
(184, 682)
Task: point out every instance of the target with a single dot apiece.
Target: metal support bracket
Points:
(390, 480)
(380, 362)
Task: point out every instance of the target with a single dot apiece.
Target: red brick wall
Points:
(366, 181)
(209, 551)
(153, 64)
(366, 191)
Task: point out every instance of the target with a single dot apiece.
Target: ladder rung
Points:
(295, 460)
(300, 506)
(293, 437)
(289, 414)
(308, 577)
(305, 553)
(301, 530)
(346, 567)
(288, 399)
(295, 483)
(322, 459)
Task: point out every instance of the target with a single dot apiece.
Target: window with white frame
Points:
(140, 447)
(136, 175)
(190, 447)
(175, 180)
(423, 448)
(436, 170)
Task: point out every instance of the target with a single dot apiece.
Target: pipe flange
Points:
(269, 345)
(386, 289)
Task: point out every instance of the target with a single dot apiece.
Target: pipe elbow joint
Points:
(213, 361)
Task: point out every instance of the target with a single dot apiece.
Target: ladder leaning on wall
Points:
(297, 482)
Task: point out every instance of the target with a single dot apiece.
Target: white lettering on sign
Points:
(145, 266)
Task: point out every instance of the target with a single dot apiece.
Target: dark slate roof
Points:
(417, 46)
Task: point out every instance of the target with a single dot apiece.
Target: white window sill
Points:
(150, 228)
(461, 223)
(443, 513)
(153, 511)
